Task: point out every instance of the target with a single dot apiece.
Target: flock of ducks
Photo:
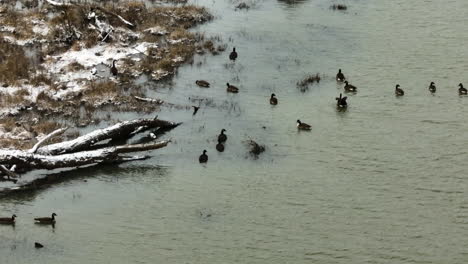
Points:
(341, 102)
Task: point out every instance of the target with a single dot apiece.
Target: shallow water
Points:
(382, 182)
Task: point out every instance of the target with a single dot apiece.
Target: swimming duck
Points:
(203, 157)
(432, 87)
(38, 245)
(462, 90)
(222, 137)
(46, 220)
(114, 70)
(195, 109)
(202, 83)
(340, 76)
(341, 101)
(232, 88)
(233, 55)
(220, 147)
(302, 126)
(399, 91)
(349, 88)
(273, 99)
(8, 220)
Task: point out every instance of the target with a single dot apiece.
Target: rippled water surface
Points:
(384, 182)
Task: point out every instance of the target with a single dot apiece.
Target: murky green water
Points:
(384, 182)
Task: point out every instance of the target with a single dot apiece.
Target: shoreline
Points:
(62, 62)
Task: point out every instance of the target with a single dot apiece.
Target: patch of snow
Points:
(40, 28)
(88, 58)
(8, 29)
(159, 31)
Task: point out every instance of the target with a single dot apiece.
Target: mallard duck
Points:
(340, 76)
(341, 101)
(432, 87)
(399, 91)
(202, 83)
(203, 157)
(303, 126)
(462, 90)
(222, 137)
(114, 70)
(273, 99)
(233, 55)
(46, 220)
(8, 220)
(220, 147)
(232, 88)
(349, 88)
(195, 109)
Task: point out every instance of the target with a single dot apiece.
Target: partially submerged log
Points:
(28, 160)
(117, 131)
(84, 150)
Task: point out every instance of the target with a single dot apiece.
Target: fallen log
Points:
(27, 160)
(117, 131)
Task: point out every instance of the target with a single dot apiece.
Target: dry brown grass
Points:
(15, 99)
(8, 123)
(46, 127)
(44, 101)
(14, 65)
(75, 66)
(101, 90)
(41, 79)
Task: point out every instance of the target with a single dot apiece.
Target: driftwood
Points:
(117, 131)
(84, 150)
(28, 160)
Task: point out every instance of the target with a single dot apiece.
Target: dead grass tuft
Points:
(101, 90)
(14, 65)
(41, 79)
(75, 66)
(15, 99)
(303, 85)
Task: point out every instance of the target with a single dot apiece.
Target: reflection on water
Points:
(380, 182)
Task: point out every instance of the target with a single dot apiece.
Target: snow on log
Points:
(29, 160)
(117, 131)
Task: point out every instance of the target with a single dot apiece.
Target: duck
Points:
(222, 137)
(46, 220)
(114, 70)
(399, 91)
(203, 157)
(432, 87)
(202, 83)
(195, 109)
(8, 220)
(220, 147)
(341, 101)
(273, 99)
(233, 55)
(462, 90)
(232, 88)
(340, 76)
(302, 126)
(38, 245)
(349, 88)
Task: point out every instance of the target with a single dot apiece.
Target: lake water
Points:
(383, 182)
